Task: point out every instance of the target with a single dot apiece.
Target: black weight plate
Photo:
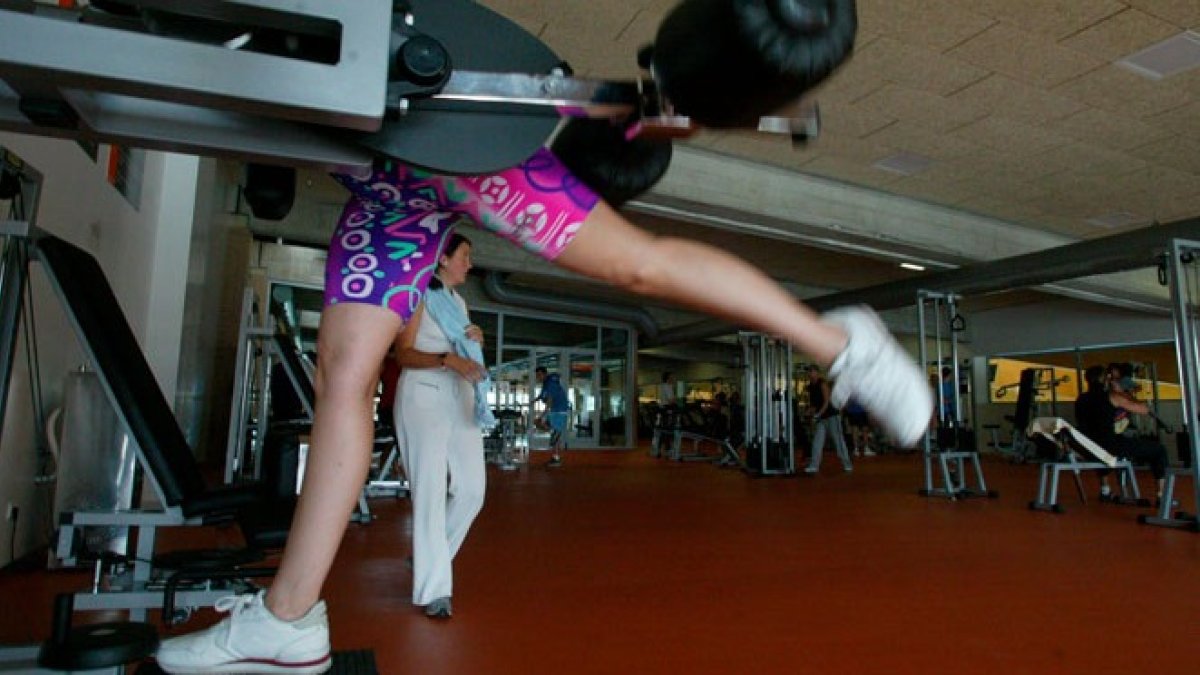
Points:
(477, 39)
(100, 645)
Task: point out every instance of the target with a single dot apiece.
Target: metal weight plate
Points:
(475, 142)
(100, 645)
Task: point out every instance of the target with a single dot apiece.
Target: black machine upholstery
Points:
(123, 369)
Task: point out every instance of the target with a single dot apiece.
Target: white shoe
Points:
(811, 469)
(868, 453)
(251, 640)
(875, 371)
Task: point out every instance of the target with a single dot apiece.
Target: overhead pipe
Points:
(497, 290)
(1106, 255)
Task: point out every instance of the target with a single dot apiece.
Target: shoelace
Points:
(235, 604)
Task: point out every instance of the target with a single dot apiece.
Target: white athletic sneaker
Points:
(251, 641)
(875, 371)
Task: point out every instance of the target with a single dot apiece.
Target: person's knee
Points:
(345, 377)
(645, 265)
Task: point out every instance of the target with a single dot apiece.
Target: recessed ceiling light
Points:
(913, 266)
(1163, 59)
(1111, 221)
(904, 163)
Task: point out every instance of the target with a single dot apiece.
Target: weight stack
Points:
(97, 467)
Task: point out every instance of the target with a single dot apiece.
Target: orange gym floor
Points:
(619, 563)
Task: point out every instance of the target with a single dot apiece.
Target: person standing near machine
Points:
(826, 420)
(557, 413)
(439, 426)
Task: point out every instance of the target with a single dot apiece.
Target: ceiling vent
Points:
(1174, 55)
(905, 163)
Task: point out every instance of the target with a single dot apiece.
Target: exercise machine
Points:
(175, 583)
(1078, 453)
(940, 310)
(1182, 272)
(767, 389)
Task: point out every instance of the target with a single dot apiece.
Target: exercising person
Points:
(557, 412)
(383, 253)
(440, 436)
(1102, 414)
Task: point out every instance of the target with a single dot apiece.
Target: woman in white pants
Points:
(440, 440)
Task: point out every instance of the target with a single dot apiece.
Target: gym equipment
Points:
(94, 645)
(1071, 444)
(1184, 282)
(168, 464)
(726, 63)
(270, 351)
(95, 469)
(445, 85)
(766, 385)
(942, 308)
(618, 169)
(1031, 382)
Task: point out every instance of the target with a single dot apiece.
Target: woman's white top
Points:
(430, 338)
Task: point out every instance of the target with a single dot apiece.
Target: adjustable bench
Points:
(1078, 453)
(170, 468)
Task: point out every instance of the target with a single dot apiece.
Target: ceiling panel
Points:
(1123, 92)
(908, 21)
(1023, 56)
(1006, 97)
(915, 67)
(921, 108)
(1053, 19)
(1120, 34)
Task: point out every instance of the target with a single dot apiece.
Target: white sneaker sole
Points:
(255, 667)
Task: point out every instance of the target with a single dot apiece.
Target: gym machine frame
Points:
(1181, 254)
(138, 583)
(954, 485)
(260, 347)
(336, 111)
(767, 396)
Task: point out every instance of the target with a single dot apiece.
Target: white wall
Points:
(143, 252)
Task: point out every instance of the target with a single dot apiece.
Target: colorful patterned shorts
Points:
(392, 230)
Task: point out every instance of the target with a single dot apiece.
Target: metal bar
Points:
(13, 277)
(1120, 252)
(922, 332)
(349, 94)
(1186, 356)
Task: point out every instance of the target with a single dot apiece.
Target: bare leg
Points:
(611, 249)
(352, 343)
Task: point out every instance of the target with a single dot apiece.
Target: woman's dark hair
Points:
(452, 245)
(1094, 376)
(666, 376)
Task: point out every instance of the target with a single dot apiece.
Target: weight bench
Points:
(169, 466)
(1166, 516)
(679, 436)
(1078, 453)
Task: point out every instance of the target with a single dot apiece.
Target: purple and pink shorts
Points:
(395, 224)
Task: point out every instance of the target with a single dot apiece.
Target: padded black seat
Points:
(118, 359)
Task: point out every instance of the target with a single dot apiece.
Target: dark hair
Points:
(1124, 369)
(540, 369)
(1094, 376)
(666, 375)
(456, 240)
(946, 371)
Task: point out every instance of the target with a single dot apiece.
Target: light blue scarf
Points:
(450, 317)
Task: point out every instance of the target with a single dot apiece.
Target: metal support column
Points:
(1184, 277)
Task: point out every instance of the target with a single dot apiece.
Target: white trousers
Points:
(442, 450)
